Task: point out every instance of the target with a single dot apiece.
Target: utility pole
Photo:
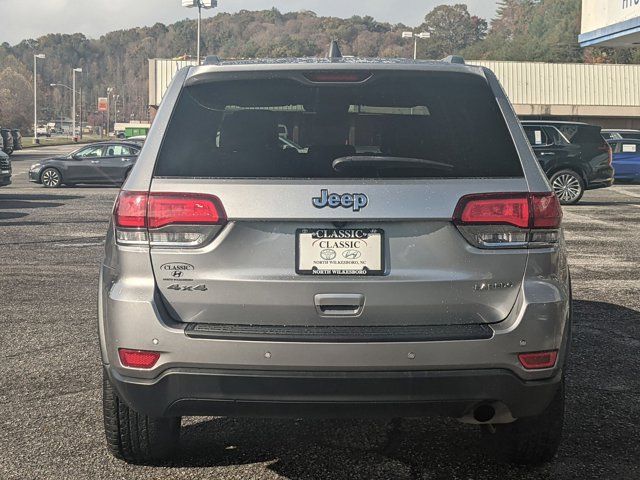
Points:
(109, 90)
(35, 95)
(73, 119)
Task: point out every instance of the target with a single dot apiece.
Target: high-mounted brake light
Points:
(338, 77)
(538, 360)
(509, 220)
(167, 219)
(138, 358)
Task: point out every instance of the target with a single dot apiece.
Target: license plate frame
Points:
(333, 234)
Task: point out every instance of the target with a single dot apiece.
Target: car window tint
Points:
(91, 152)
(118, 151)
(270, 128)
(536, 136)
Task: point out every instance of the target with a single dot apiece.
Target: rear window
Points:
(399, 125)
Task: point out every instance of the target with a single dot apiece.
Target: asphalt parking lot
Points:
(50, 398)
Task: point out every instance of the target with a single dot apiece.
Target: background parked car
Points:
(626, 159)
(619, 134)
(5, 169)
(8, 140)
(43, 131)
(17, 139)
(108, 163)
(574, 156)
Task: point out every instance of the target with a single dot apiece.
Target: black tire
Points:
(568, 186)
(51, 178)
(134, 437)
(531, 440)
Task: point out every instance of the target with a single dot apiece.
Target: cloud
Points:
(97, 17)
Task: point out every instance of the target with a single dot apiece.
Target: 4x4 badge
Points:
(357, 201)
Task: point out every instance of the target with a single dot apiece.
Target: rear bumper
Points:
(600, 184)
(454, 393)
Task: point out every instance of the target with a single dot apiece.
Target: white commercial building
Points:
(610, 23)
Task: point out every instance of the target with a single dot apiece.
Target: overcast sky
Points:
(30, 19)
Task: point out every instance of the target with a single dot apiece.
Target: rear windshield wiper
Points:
(379, 162)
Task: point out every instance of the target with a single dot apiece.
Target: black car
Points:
(17, 139)
(574, 156)
(7, 140)
(105, 162)
(5, 169)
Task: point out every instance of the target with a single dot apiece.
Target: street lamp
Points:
(416, 36)
(35, 96)
(73, 74)
(64, 86)
(109, 90)
(200, 4)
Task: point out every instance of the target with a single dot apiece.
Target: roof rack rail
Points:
(454, 59)
(211, 60)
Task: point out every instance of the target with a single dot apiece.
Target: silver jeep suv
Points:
(335, 237)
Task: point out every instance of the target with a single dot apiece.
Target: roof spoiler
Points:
(454, 59)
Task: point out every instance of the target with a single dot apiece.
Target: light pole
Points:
(416, 36)
(109, 90)
(35, 95)
(200, 4)
(73, 120)
(64, 86)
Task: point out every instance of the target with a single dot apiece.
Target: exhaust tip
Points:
(484, 413)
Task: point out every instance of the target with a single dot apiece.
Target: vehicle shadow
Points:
(11, 202)
(601, 427)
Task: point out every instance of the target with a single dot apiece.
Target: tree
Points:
(452, 29)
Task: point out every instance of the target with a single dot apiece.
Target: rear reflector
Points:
(138, 358)
(538, 360)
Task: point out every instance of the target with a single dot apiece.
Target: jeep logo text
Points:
(357, 201)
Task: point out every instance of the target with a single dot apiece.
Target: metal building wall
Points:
(568, 83)
(161, 72)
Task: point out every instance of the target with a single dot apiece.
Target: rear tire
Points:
(531, 440)
(134, 437)
(568, 186)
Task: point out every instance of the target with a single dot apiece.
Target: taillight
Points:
(606, 147)
(138, 358)
(538, 360)
(509, 220)
(167, 219)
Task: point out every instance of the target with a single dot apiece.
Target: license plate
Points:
(6, 171)
(343, 251)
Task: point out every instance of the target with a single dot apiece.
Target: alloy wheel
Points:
(567, 187)
(50, 178)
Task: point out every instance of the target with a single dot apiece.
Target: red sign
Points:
(103, 104)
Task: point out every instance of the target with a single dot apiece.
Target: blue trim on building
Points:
(611, 32)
